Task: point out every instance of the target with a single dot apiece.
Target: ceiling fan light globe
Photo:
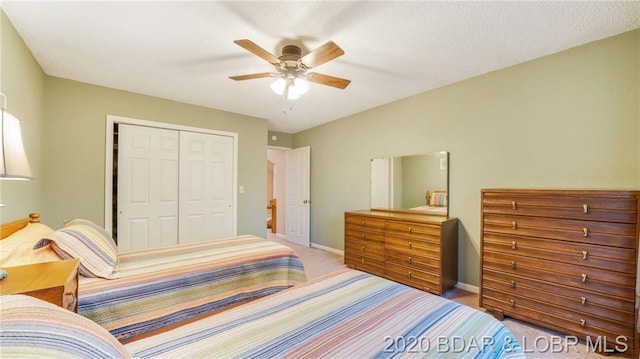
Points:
(301, 85)
(292, 93)
(278, 86)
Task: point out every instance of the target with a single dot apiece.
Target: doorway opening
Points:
(276, 191)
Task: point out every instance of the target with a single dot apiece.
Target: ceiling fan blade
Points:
(252, 76)
(322, 54)
(257, 50)
(328, 80)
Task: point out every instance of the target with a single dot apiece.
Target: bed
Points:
(436, 203)
(155, 289)
(344, 314)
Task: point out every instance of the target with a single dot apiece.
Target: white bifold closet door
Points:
(173, 186)
(206, 186)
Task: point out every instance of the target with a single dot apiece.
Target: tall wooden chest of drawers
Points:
(564, 260)
(411, 248)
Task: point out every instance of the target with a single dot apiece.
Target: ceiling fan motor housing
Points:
(290, 59)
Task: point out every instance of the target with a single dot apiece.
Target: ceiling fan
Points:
(292, 67)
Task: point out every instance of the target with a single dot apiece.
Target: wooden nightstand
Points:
(54, 282)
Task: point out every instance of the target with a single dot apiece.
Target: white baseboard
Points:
(328, 249)
(281, 236)
(467, 287)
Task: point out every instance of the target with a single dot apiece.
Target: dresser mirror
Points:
(414, 182)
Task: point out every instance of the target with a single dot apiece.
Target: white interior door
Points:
(381, 182)
(147, 187)
(298, 162)
(206, 186)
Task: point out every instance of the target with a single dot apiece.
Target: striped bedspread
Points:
(346, 314)
(159, 287)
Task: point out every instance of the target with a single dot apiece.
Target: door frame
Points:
(108, 172)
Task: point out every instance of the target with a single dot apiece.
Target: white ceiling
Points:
(184, 51)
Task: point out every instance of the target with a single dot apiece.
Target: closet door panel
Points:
(147, 187)
(206, 186)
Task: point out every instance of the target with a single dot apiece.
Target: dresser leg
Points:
(498, 314)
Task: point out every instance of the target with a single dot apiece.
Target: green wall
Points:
(569, 120)
(65, 134)
(22, 81)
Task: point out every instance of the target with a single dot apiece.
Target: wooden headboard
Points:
(8, 229)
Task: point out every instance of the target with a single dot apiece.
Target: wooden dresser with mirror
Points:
(407, 235)
(565, 260)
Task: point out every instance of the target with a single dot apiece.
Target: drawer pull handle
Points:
(514, 245)
(585, 208)
(585, 254)
(584, 278)
(514, 205)
(363, 223)
(513, 264)
(409, 275)
(410, 229)
(362, 261)
(363, 247)
(513, 284)
(362, 235)
(583, 323)
(512, 303)
(514, 225)
(583, 300)
(410, 260)
(410, 245)
(585, 232)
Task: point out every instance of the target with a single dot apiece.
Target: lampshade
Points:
(13, 160)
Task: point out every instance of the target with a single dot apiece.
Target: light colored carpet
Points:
(537, 342)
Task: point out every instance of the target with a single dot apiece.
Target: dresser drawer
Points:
(585, 323)
(358, 234)
(414, 246)
(411, 260)
(412, 277)
(562, 206)
(591, 232)
(590, 279)
(567, 298)
(611, 258)
(414, 230)
(364, 263)
(364, 248)
(364, 223)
